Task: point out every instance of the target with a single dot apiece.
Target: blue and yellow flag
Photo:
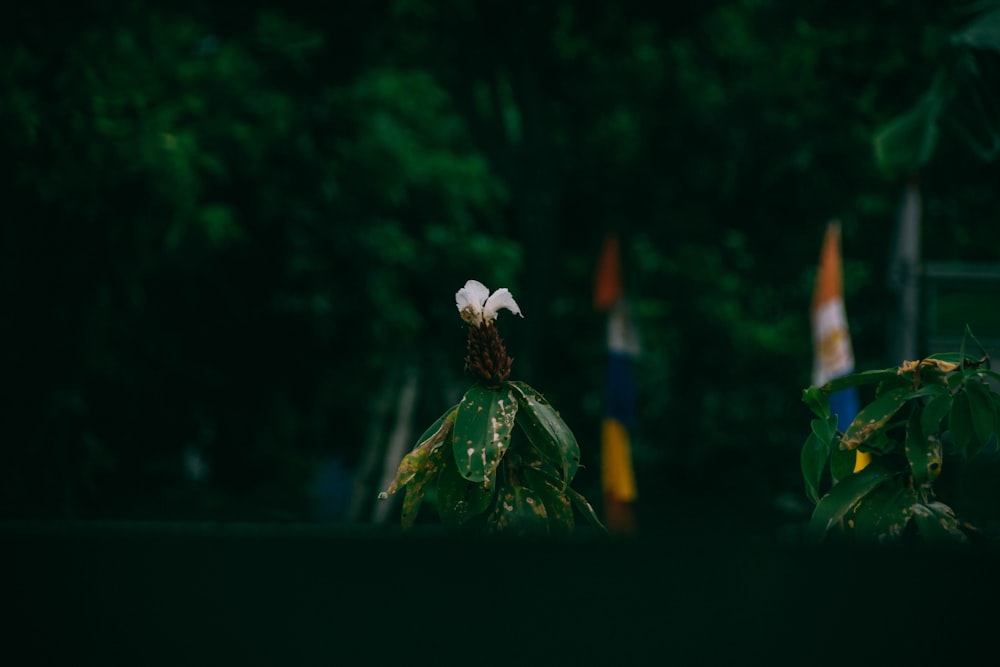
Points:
(617, 471)
(833, 354)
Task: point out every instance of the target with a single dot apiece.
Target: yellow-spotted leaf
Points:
(937, 523)
(483, 425)
(923, 451)
(547, 431)
(882, 515)
(459, 501)
(417, 487)
(520, 509)
(416, 460)
(557, 504)
(874, 416)
(847, 492)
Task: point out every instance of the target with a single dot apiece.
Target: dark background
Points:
(232, 234)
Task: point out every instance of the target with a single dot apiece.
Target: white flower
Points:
(477, 305)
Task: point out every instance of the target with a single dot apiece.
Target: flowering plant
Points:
(485, 479)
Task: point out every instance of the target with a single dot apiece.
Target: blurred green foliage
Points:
(959, 96)
(228, 228)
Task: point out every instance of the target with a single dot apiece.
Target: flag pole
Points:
(904, 275)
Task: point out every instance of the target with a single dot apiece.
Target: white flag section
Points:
(834, 355)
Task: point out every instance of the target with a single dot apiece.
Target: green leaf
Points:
(932, 390)
(415, 461)
(981, 33)
(937, 523)
(825, 429)
(815, 452)
(880, 442)
(955, 381)
(858, 379)
(813, 462)
(416, 489)
(968, 329)
(982, 414)
(874, 416)
(541, 475)
(990, 373)
(842, 463)
(459, 501)
(934, 412)
(482, 430)
(960, 422)
(895, 382)
(847, 492)
(557, 504)
(584, 507)
(954, 358)
(520, 509)
(881, 516)
(907, 142)
(547, 431)
(435, 431)
(923, 451)
(817, 401)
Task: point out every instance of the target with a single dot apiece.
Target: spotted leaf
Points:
(923, 451)
(483, 425)
(547, 431)
(874, 416)
(936, 522)
(846, 493)
(558, 506)
(417, 486)
(459, 501)
(417, 459)
(520, 509)
(881, 516)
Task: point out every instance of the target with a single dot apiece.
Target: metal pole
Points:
(904, 277)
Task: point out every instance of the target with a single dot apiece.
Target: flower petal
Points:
(500, 299)
(470, 299)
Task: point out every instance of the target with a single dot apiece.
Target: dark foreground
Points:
(247, 594)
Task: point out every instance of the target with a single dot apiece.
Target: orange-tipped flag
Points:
(833, 355)
(608, 278)
(617, 471)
